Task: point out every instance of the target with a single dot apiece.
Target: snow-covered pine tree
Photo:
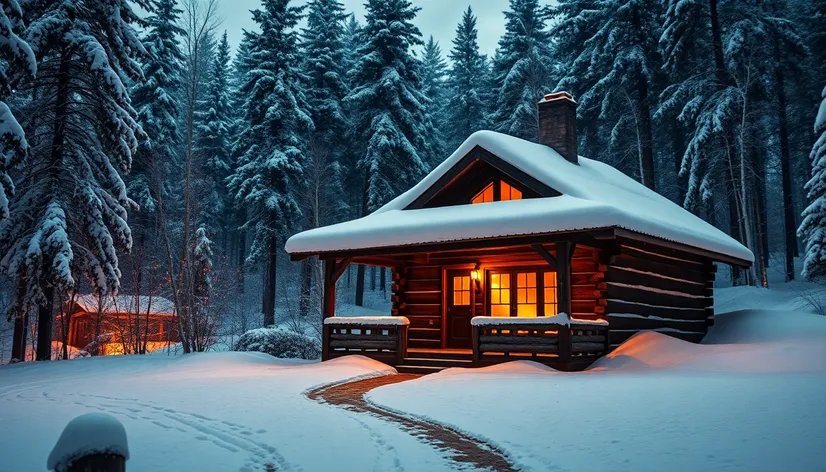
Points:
(813, 227)
(213, 142)
(353, 178)
(15, 52)
(522, 70)
(390, 116)
(201, 289)
(70, 218)
(270, 146)
(156, 100)
(434, 77)
(324, 71)
(466, 82)
(614, 63)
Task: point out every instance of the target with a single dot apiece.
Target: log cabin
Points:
(124, 324)
(512, 249)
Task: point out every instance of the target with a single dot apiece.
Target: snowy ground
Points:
(751, 399)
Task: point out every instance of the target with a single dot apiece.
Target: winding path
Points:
(460, 447)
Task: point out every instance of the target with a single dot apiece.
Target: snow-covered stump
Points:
(94, 442)
(383, 338)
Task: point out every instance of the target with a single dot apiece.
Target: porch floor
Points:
(421, 350)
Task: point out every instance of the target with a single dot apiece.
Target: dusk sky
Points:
(437, 17)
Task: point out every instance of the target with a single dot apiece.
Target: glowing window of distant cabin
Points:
(461, 290)
(509, 193)
(526, 294)
(500, 294)
(549, 284)
(485, 196)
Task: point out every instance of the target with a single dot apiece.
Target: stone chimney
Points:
(557, 124)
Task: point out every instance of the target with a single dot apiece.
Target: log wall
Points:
(417, 294)
(654, 288)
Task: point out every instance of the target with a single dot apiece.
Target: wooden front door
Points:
(460, 295)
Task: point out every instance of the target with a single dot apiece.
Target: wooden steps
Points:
(422, 361)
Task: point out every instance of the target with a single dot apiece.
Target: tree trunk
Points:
(305, 288)
(383, 280)
(678, 143)
(789, 225)
(18, 346)
(242, 255)
(268, 303)
(44, 326)
(717, 44)
(372, 278)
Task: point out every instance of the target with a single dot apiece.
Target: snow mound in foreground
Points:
(515, 367)
(755, 326)
(746, 341)
(92, 433)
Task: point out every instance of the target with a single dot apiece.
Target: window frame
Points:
(497, 182)
(512, 272)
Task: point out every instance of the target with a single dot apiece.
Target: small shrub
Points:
(279, 343)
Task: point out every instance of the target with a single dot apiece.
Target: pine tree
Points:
(616, 61)
(467, 106)
(213, 141)
(813, 227)
(201, 288)
(433, 76)
(156, 100)
(521, 69)
(17, 53)
(269, 148)
(390, 107)
(70, 218)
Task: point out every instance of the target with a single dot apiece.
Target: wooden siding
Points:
(417, 294)
(655, 288)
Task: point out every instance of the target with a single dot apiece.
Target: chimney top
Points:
(557, 124)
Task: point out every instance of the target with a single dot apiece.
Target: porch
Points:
(557, 341)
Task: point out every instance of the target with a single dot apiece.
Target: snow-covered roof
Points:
(594, 195)
(125, 304)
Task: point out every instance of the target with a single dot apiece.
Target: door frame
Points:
(445, 287)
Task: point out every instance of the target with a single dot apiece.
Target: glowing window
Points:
(526, 294)
(549, 286)
(461, 290)
(485, 196)
(500, 294)
(509, 193)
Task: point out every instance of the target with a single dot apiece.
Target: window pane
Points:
(465, 283)
(528, 310)
(506, 296)
(494, 296)
(531, 295)
(506, 280)
(486, 195)
(508, 192)
(494, 280)
(515, 194)
(550, 309)
(500, 310)
(465, 298)
(550, 295)
(531, 276)
(550, 279)
(457, 298)
(457, 283)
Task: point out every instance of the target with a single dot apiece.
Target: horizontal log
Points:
(523, 327)
(511, 339)
(587, 347)
(670, 270)
(417, 321)
(665, 256)
(587, 278)
(414, 285)
(585, 292)
(499, 347)
(423, 309)
(584, 306)
(414, 272)
(588, 338)
(641, 322)
(425, 333)
(650, 279)
(677, 313)
(585, 265)
(653, 297)
(428, 298)
(361, 344)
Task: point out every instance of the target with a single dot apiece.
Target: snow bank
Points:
(368, 320)
(92, 433)
(594, 195)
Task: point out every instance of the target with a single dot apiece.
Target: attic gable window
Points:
(490, 194)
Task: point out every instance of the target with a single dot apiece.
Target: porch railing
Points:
(383, 338)
(559, 340)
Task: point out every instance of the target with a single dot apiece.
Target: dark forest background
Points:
(140, 155)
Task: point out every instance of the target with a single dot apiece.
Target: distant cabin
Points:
(512, 249)
(125, 323)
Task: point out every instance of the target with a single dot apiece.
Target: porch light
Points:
(474, 274)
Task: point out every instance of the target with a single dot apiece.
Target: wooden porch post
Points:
(329, 303)
(563, 275)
